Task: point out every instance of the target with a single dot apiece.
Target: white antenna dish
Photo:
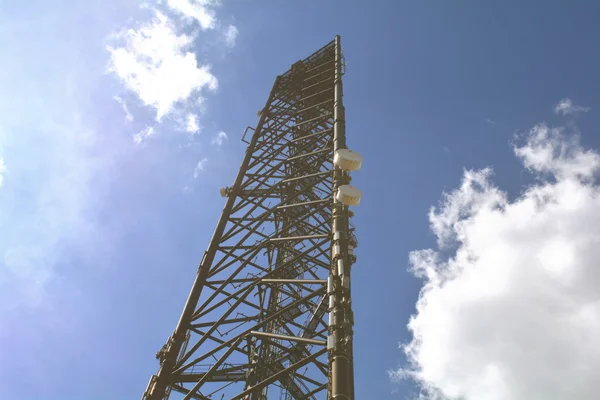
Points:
(348, 195)
(347, 160)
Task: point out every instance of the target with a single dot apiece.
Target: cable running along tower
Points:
(270, 313)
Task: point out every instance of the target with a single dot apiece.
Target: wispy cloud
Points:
(199, 10)
(517, 294)
(490, 121)
(155, 62)
(567, 107)
(551, 151)
(200, 167)
(191, 125)
(3, 171)
(143, 134)
(219, 139)
(128, 115)
(231, 35)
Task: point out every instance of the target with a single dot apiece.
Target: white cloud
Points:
(192, 123)
(490, 121)
(567, 107)
(3, 171)
(199, 167)
(200, 105)
(548, 150)
(200, 10)
(154, 62)
(514, 312)
(231, 35)
(143, 134)
(128, 115)
(219, 139)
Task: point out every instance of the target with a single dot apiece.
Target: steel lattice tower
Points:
(269, 314)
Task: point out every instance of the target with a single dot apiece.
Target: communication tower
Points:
(270, 311)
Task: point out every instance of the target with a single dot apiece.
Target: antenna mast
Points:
(270, 311)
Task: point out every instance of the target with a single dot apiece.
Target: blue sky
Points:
(110, 170)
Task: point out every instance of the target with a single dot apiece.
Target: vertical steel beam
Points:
(340, 346)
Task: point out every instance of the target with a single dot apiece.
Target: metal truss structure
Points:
(269, 314)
